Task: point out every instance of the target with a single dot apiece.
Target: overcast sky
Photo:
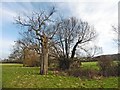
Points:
(102, 15)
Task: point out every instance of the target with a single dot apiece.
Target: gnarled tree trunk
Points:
(44, 61)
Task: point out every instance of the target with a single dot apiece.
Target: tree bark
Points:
(66, 48)
(41, 66)
(74, 49)
(23, 57)
(44, 62)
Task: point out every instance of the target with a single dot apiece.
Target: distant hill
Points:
(113, 56)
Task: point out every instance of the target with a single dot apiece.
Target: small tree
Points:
(91, 52)
(29, 46)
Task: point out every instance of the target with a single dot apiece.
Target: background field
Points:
(16, 76)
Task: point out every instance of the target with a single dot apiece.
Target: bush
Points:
(118, 68)
(75, 63)
(88, 73)
(107, 66)
(68, 63)
(64, 63)
(31, 58)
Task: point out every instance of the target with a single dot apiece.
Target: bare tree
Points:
(71, 33)
(16, 54)
(85, 33)
(28, 45)
(116, 32)
(92, 51)
(38, 23)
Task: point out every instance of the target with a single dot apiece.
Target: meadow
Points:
(17, 76)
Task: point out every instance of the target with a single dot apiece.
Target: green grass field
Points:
(92, 65)
(16, 76)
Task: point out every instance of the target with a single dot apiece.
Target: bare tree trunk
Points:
(44, 62)
(23, 57)
(66, 48)
(74, 49)
(41, 67)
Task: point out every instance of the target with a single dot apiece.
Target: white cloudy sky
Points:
(101, 14)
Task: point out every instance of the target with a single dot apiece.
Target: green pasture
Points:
(16, 76)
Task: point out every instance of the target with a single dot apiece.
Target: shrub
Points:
(75, 63)
(31, 58)
(88, 73)
(118, 68)
(107, 66)
(75, 72)
(68, 63)
(64, 63)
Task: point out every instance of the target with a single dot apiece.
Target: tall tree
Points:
(73, 32)
(38, 23)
